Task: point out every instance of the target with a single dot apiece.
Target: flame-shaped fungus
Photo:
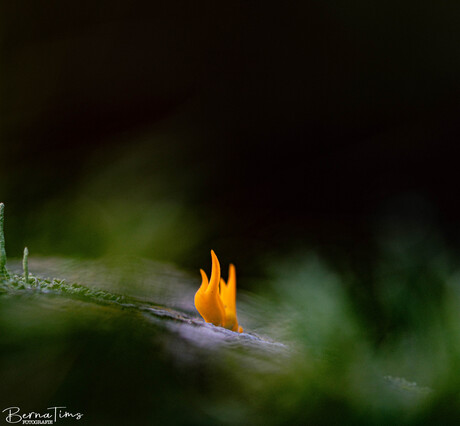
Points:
(216, 300)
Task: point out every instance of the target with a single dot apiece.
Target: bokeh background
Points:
(163, 129)
(261, 130)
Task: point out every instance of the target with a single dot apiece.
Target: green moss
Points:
(16, 283)
(13, 283)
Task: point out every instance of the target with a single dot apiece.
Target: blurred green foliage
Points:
(103, 354)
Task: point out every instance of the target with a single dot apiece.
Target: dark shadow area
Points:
(164, 129)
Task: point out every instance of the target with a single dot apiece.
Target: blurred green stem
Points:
(25, 264)
(3, 270)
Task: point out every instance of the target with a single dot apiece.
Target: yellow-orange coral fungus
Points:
(207, 298)
(228, 296)
(216, 300)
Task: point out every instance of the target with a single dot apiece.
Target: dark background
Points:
(164, 129)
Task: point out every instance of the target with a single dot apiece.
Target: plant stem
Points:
(25, 264)
(3, 270)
